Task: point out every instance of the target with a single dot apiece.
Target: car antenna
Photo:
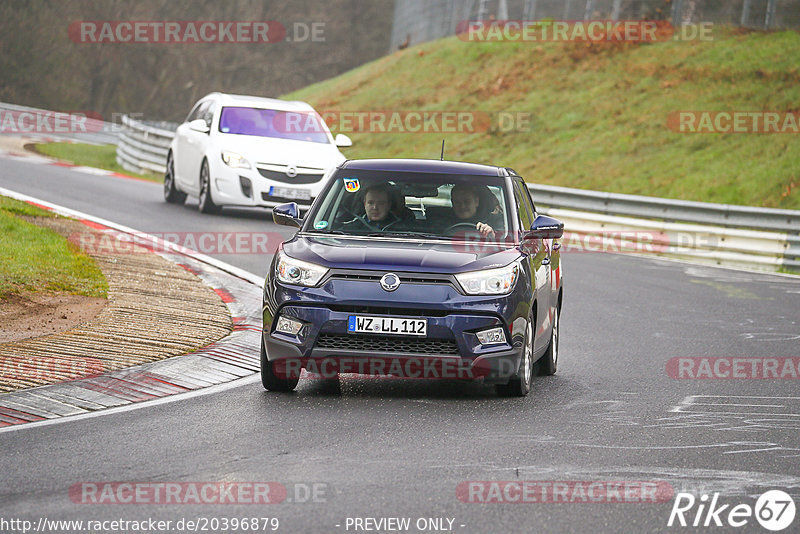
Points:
(442, 150)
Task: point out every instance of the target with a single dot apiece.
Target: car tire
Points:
(520, 384)
(171, 193)
(269, 380)
(206, 203)
(548, 364)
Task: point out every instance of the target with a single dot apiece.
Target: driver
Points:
(378, 210)
(470, 207)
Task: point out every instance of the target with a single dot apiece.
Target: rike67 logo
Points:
(774, 511)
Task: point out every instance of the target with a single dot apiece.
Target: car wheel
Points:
(269, 380)
(520, 384)
(206, 204)
(171, 194)
(547, 364)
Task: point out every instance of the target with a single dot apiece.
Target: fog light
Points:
(288, 326)
(491, 336)
(247, 186)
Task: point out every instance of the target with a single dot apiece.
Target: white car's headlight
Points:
(296, 272)
(232, 159)
(490, 282)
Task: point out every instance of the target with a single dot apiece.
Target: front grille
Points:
(387, 344)
(304, 178)
(405, 278)
(383, 310)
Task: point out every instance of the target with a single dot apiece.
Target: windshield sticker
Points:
(351, 185)
(321, 225)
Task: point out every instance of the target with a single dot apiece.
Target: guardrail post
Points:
(567, 9)
(529, 13)
(502, 10)
(769, 20)
(615, 10)
(587, 14)
(482, 10)
(745, 12)
(677, 13)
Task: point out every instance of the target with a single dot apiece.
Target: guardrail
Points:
(720, 234)
(143, 146)
(42, 123)
(725, 215)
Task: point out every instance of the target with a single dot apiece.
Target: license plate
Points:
(387, 325)
(290, 192)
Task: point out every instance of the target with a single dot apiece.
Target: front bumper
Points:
(248, 187)
(449, 350)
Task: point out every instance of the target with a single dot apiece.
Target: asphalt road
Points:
(400, 448)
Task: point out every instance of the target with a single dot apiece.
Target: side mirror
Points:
(545, 227)
(342, 140)
(199, 125)
(287, 215)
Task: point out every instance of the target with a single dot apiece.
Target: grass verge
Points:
(98, 156)
(39, 260)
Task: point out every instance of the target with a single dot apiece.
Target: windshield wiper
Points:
(409, 234)
(326, 232)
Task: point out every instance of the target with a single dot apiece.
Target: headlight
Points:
(232, 159)
(296, 272)
(490, 282)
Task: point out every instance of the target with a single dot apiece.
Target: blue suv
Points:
(416, 269)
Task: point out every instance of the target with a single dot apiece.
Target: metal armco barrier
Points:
(720, 234)
(26, 121)
(732, 247)
(726, 215)
(143, 147)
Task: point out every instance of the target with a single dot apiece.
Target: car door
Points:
(195, 148)
(538, 257)
(182, 146)
(554, 271)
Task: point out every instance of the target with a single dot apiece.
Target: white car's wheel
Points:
(206, 204)
(171, 193)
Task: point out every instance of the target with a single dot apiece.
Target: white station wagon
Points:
(235, 150)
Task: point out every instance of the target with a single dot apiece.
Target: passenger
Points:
(472, 207)
(379, 207)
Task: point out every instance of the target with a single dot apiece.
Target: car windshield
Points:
(413, 205)
(273, 123)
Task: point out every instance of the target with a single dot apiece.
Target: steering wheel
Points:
(471, 226)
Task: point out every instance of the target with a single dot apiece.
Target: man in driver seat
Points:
(379, 210)
(473, 206)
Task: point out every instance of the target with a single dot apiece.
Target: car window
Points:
(441, 206)
(527, 194)
(523, 206)
(208, 113)
(195, 113)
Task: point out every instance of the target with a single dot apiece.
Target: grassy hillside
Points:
(599, 111)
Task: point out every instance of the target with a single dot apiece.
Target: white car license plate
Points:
(387, 325)
(290, 192)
